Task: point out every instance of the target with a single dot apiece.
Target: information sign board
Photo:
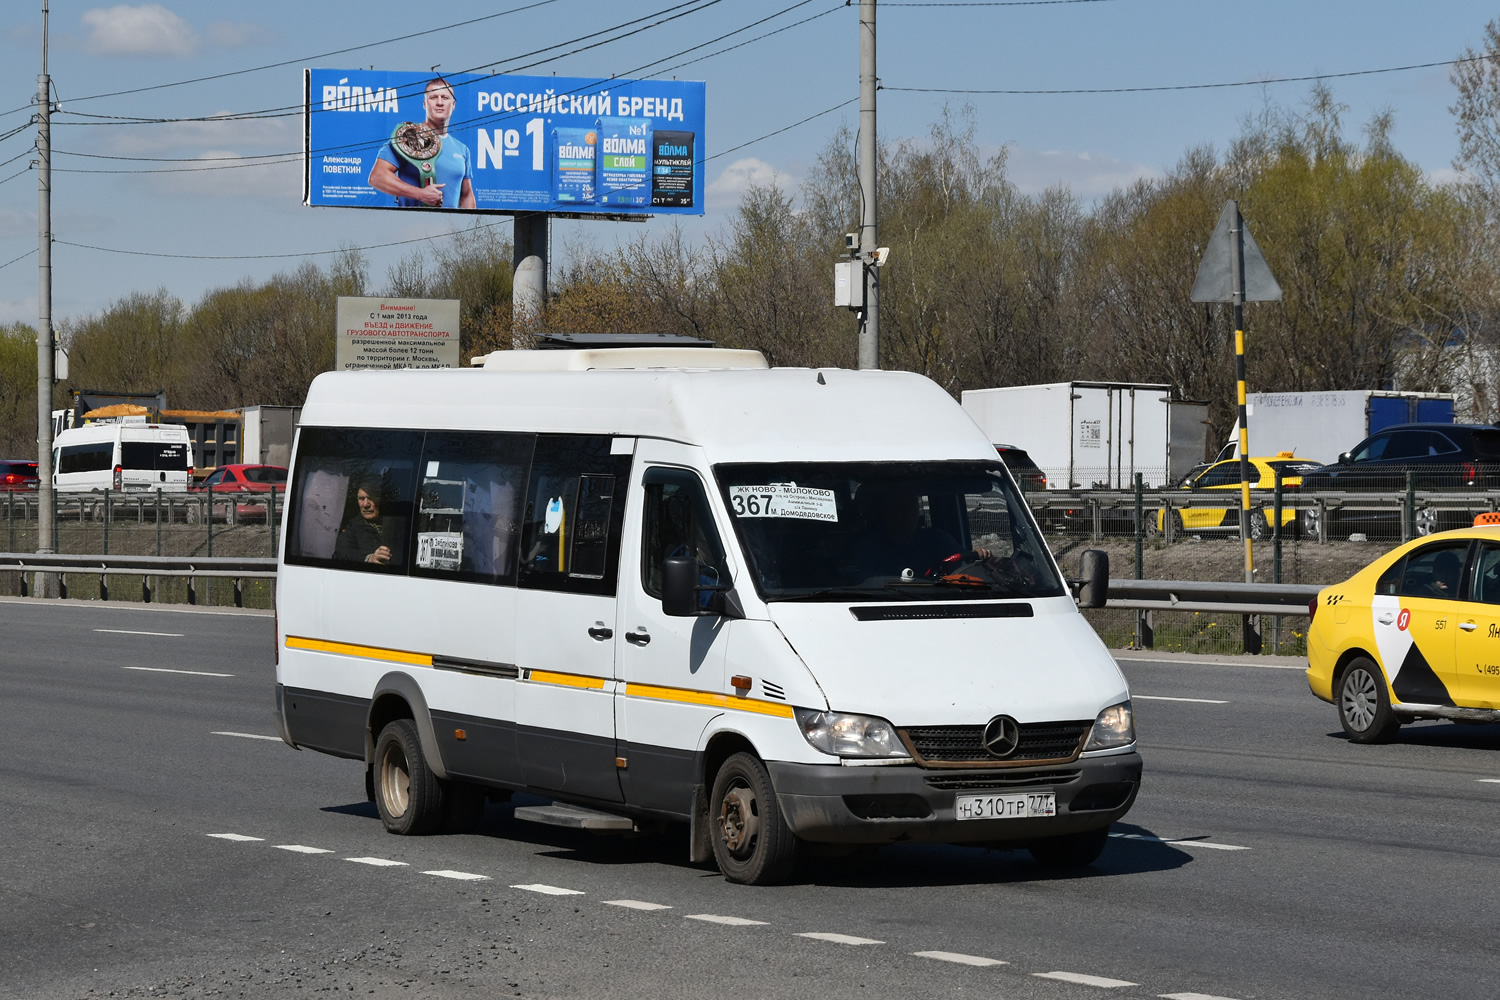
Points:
(396, 333)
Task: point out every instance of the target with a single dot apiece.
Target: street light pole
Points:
(869, 333)
(46, 520)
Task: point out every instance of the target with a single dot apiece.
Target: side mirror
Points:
(681, 583)
(1347, 458)
(1094, 591)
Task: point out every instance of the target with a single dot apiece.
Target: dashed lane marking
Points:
(128, 631)
(636, 904)
(234, 836)
(1083, 979)
(1489, 781)
(248, 736)
(166, 670)
(378, 862)
(1162, 697)
(461, 876)
(549, 890)
(838, 938)
(1191, 996)
(302, 849)
(953, 956)
(1180, 842)
(714, 918)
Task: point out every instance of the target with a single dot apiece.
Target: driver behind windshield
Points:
(894, 538)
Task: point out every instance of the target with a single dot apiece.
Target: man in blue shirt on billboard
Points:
(450, 182)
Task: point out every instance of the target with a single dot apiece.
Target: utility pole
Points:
(45, 521)
(869, 333)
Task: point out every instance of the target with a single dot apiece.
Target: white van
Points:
(672, 585)
(122, 457)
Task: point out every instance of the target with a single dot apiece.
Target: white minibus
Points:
(781, 606)
(122, 457)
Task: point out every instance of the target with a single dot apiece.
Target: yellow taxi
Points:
(1414, 635)
(1226, 476)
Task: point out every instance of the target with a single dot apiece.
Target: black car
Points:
(1459, 457)
(1027, 475)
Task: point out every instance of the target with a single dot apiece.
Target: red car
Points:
(244, 479)
(18, 475)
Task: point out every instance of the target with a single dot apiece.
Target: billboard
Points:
(381, 139)
(396, 333)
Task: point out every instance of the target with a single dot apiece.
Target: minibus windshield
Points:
(886, 531)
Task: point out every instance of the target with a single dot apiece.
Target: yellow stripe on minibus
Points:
(566, 680)
(706, 698)
(351, 649)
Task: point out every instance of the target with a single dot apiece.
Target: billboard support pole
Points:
(528, 293)
(46, 584)
(869, 331)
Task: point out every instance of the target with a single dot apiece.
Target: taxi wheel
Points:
(1364, 704)
(751, 841)
(1177, 529)
(1073, 850)
(1260, 529)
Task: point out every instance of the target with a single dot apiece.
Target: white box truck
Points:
(1322, 425)
(1095, 434)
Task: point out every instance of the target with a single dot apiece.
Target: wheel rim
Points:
(1360, 699)
(739, 820)
(395, 780)
(1426, 521)
(1258, 530)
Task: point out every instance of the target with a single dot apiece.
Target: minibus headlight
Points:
(845, 735)
(1115, 727)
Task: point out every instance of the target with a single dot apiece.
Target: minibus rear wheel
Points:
(752, 843)
(407, 793)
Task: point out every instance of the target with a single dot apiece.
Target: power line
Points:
(8, 263)
(18, 173)
(282, 256)
(820, 114)
(1194, 86)
(991, 3)
(748, 41)
(25, 152)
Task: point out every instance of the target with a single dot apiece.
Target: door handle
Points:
(638, 638)
(1467, 626)
(1386, 619)
(601, 632)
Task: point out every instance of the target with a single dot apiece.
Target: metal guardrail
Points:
(237, 568)
(1209, 596)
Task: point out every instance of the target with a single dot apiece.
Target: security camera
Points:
(880, 255)
(851, 241)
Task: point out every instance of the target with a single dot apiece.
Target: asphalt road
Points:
(1265, 857)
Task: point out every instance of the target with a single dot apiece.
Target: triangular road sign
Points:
(1215, 274)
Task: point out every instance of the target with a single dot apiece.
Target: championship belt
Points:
(418, 145)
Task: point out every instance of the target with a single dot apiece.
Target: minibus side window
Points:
(351, 504)
(469, 506)
(575, 506)
(86, 457)
(677, 522)
(157, 456)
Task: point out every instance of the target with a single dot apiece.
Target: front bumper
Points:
(879, 805)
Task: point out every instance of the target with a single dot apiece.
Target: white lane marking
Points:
(953, 956)
(234, 836)
(378, 862)
(1083, 979)
(128, 631)
(1162, 697)
(838, 938)
(302, 849)
(1191, 996)
(1489, 781)
(1180, 841)
(248, 736)
(549, 890)
(164, 670)
(463, 876)
(714, 918)
(636, 904)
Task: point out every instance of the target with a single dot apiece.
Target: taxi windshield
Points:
(886, 531)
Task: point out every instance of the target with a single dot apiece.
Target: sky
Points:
(227, 225)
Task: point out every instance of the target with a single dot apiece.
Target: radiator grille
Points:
(999, 780)
(1040, 742)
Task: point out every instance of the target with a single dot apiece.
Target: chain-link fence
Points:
(147, 524)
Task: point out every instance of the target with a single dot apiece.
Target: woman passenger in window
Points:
(362, 537)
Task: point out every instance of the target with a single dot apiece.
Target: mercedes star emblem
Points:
(1002, 735)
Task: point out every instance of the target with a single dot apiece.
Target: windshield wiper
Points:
(840, 593)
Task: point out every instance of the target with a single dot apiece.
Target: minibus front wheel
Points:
(407, 793)
(752, 843)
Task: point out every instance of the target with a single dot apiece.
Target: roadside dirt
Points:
(1223, 559)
